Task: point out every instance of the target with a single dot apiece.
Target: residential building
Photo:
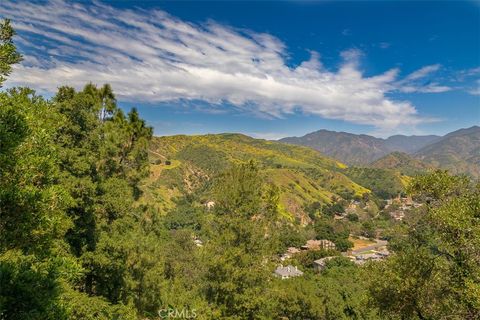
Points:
(320, 264)
(287, 272)
(319, 245)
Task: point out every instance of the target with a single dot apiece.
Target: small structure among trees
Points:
(319, 245)
(287, 272)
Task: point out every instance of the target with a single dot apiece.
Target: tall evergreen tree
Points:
(8, 51)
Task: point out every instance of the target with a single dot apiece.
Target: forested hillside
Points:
(183, 164)
(401, 162)
(383, 183)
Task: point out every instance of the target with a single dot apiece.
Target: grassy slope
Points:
(402, 162)
(303, 174)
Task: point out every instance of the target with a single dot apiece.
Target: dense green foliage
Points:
(383, 183)
(68, 187)
(402, 162)
(435, 272)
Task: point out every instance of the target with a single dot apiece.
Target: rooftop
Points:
(288, 271)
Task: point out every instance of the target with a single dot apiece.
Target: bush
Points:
(343, 244)
(352, 217)
(339, 262)
(306, 258)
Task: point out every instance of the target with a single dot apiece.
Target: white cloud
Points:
(430, 88)
(415, 81)
(151, 56)
(472, 71)
(423, 72)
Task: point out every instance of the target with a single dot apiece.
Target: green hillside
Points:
(401, 162)
(184, 164)
(382, 182)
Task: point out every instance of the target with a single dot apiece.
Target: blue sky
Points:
(267, 69)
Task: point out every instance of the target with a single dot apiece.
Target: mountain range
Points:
(458, 151)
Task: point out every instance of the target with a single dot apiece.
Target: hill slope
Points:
(303, 175)
(401, 162)
(382, 182)
(458, 151)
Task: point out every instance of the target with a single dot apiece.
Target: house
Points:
(290, 252)
(368, 256)
(319, 245)
(320, 264)
(397, 215)
(198, 242)
(352, 207)
(209, 204)
(293, 250)
(360, 259)
(287, 272)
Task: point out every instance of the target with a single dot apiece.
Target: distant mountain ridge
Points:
(410, 144)
(458, 151)
(359, 149)
(353, 149)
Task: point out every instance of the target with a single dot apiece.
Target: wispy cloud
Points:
(468, 80)
(151, 56)
(417, 81)
(422, 72)
(384, 45)
(476, 90)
